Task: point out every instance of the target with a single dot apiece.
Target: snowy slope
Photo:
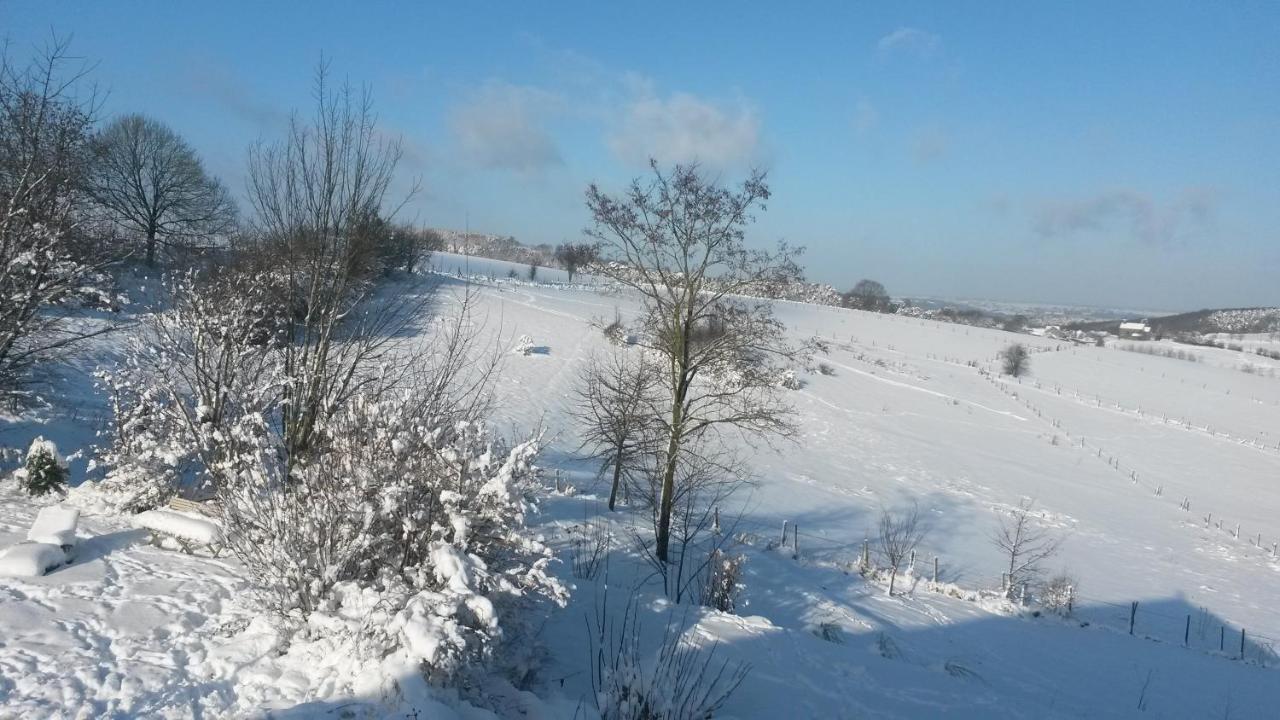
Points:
(912, 413)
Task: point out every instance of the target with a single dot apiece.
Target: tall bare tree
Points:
(678, 240)
(615, 408)
(899, 535)
(1025, 545)
(315, 194)
(152, 183)
(46, 258)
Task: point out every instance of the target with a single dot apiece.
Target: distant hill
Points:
(1227, 320)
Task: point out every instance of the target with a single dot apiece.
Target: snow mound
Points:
(55, 525)
(31, 559)
(180, 525)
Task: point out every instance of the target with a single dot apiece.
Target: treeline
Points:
(84, 198)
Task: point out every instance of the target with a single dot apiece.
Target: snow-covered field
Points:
(1126, 454)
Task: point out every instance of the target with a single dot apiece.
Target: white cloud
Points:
(1136, 212)
(683, 128)
(501, 125)
(917, 42)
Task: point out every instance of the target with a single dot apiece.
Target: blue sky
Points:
(1095, 153)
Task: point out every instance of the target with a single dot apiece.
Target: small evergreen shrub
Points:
(44, 471)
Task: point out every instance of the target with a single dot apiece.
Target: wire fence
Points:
(1197, 629)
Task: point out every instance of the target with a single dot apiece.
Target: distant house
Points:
(1135, 330)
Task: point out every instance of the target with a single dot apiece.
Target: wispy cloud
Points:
(502, 126)
(235, 95)
(921, 43)
(865, 117)
(929, 144)
(682, 127)
(1135, 212)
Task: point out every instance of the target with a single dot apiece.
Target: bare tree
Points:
(152, 183)
(899, 534)
(678, 241)
(46, 258)
(615, 408)
(314, 195)
(1025, 545)
(1016, 360)
(572, 256)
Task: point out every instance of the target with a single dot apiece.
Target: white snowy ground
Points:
(132, 630)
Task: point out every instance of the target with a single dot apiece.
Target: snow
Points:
(1108, 443)
(30, 559)
(55, 525)
(180, 525)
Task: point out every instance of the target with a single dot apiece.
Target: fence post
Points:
(1241, 643)
(1133, 614)
(784, 532)
(1222, 638)
(715, 524)
(913, 561)
(935, 569)
(1186, 634)
(795, 546)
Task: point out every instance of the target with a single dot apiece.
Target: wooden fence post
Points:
(1133, 614)
(1222, 638)
(1186, 634)
(1241, 643)
(784, 532)
(795, 545)
(935, 569)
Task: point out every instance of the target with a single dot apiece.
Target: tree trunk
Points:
(668, 495)
(151, 247)
(617, 478)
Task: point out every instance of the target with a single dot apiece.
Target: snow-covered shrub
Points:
(427, 514)
(723, 582)
(44, 470)
(186, 372)
(826, 369)
(1057, 594)
(683, 682)
(790, 380)
(524, 345)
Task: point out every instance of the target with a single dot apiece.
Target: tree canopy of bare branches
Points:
(1025, 545)
(573, 256)
(1016, 360)
(615, 409)
(45, 259)
(899, 535)
(315, 195)
(153, 185)
(678, 240)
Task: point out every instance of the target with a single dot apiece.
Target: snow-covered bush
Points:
(683, 682)
(1057, 594)
(44, 470)
(723, 582)
(186, 372)
(427, 515)
(524, 345)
